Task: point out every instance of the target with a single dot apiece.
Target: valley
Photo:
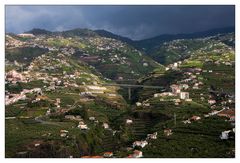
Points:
(92, 94)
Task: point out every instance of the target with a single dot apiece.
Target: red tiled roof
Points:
(108, 153)
(130, 156)
(227, 113)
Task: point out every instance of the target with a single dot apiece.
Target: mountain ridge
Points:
(108, 34)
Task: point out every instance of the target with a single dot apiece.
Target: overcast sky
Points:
(136, 22)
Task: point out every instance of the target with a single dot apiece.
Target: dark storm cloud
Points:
(136, 22)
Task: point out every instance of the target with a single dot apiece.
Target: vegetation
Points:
(77, 113)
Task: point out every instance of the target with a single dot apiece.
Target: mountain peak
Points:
(79, 32)
(38, 31)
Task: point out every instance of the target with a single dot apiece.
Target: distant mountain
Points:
(38, 31)
(145, 45)
(79, 32)
(68, 33)
(148, 44)
(107, 34)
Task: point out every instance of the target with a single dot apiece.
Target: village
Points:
(67, 85)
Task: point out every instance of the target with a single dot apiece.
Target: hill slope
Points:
(172, 51)
(148, 44)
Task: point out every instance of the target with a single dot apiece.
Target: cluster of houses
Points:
(13, 43)
(142, 144)
(176, 91)
(26, 35)
(192, 77)
(90, 86)
(13, 77)
(13, 98)
(67, 51)
(193, 118)
(144, 104)
(78, 118)
(174, 66)
(82, 125)
(214, 47)
(105, 44)
(137, 153)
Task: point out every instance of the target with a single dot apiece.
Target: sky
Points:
(135, 22)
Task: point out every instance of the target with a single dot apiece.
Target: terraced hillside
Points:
(42, 90)
(170, 52)
(113, 58)
(208, 77)
(58, 101)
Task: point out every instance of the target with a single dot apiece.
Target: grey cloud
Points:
(136, 22)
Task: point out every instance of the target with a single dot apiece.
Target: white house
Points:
(129, 121)
(184, 95)
(224, 135)
(138, 103)
(105, 126)
(26, 35)
(142, 143)
(211, 102)
(83, 126)
(152, 136)
(92, 118)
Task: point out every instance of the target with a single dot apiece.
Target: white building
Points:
(83, 126)
(152, 136)
(138, 104)
(129, 121)
(140, 143)
(211, 102)
(184, 95)
(224, 135)
(92, 118)
(26, 35)
(105, 126)
(163, 94)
